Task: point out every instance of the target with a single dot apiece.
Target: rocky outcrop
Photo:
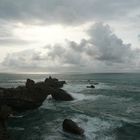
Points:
(5, 111)
(61, 95)
(33, 94)
(91, 86)
(72, 127)
(53, 82)
(22, 98)
(29, 83)
(28, 97)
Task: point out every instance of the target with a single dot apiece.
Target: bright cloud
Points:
(78, 35)
(102, 49)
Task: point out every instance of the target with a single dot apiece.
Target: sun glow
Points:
(50, 34)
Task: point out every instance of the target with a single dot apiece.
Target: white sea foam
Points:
(95, 127)
(80, 96)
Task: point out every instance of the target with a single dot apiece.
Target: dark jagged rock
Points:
(27, 97)
(29, 83)
(91, 86)
(53, 82)
(33, 94)
(3, 133)
(72, 127)
(61, 95)
(5, 111)
(22, 98)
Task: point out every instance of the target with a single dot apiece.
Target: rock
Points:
(28, 97)
(3, 133)
(32, 94)
(29, 83)
(53, 82)
(91, 86)
(61, 95)
(22, 98)
(72, 127)
(5, 111)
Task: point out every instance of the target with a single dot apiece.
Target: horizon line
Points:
(45, 73)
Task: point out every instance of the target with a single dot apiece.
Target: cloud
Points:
(102, 52)
(7, 37)
(64, 11)
(12, 41)
(110, 47)
(139, 36)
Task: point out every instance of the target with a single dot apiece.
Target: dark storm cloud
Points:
(65, 11)
(102, 51)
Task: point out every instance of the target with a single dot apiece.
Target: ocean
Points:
(111, 111)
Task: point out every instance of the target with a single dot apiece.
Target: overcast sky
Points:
(69, 36)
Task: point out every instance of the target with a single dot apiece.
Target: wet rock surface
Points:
(33, 94)
(72, 127)
(62, 95)
(28, 97)
(91, 86)
(5, 112)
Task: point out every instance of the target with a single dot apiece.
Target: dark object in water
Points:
(53, 82)
(91, 86)
(5, 112)
(29, 96)
(33, 94)
(72, 127)
(61, 95)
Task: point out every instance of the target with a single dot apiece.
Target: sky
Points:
(60, 36)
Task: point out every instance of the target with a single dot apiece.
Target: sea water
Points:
(111, 111)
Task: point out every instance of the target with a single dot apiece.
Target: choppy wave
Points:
(128, 131)
(111, 111)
